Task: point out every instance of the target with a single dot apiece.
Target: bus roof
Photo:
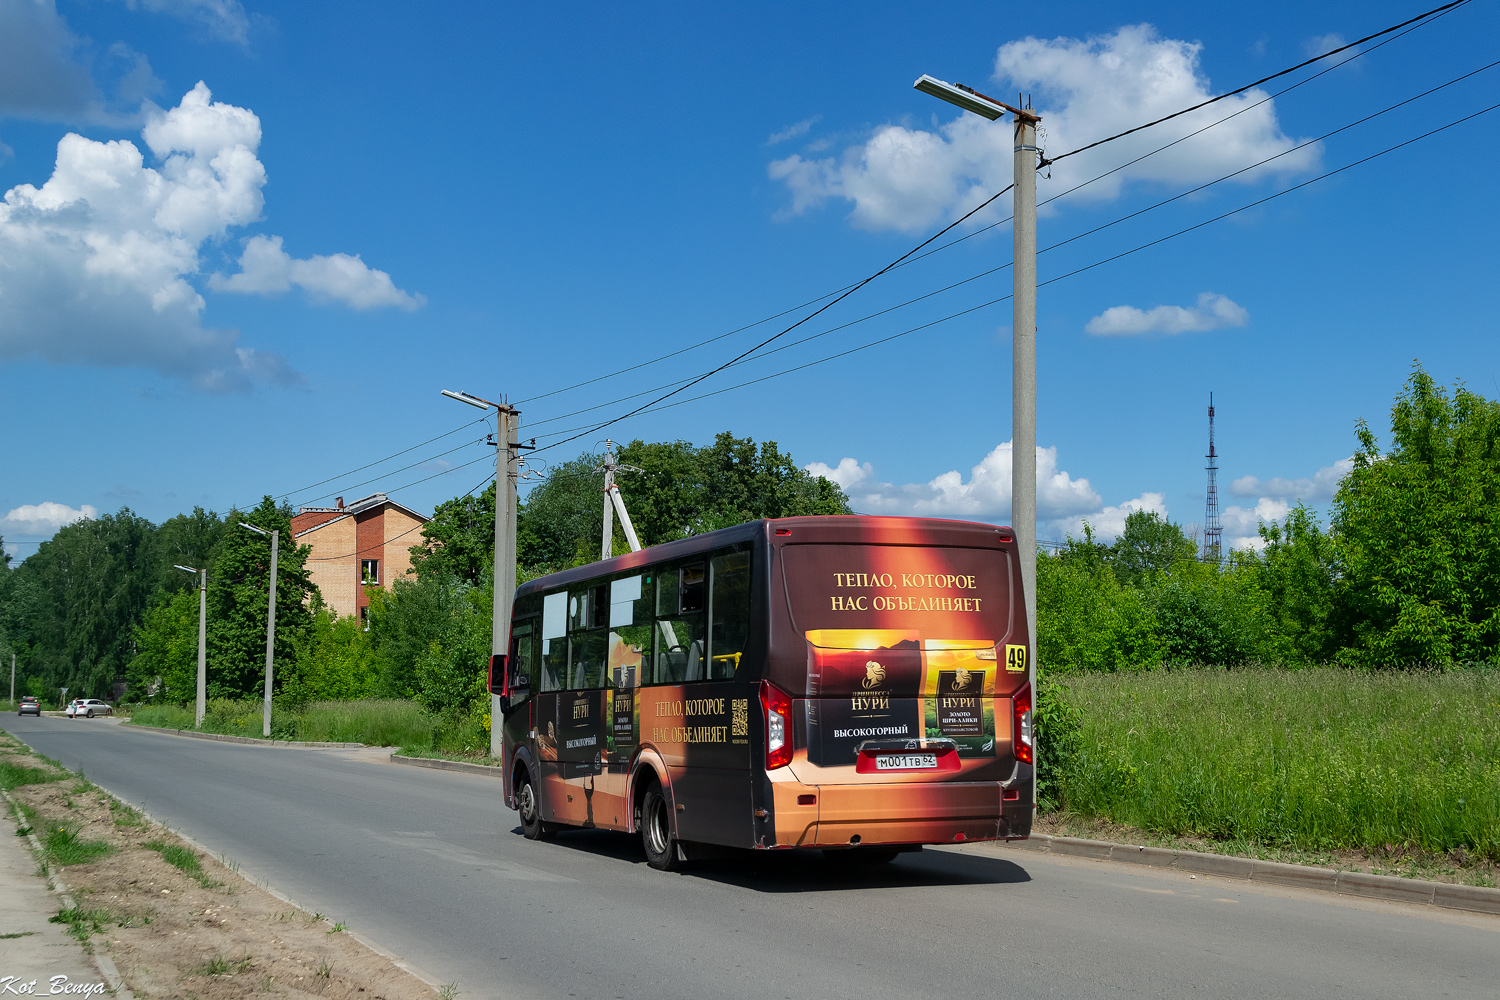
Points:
(846, 529)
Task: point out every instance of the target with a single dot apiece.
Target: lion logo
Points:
(961, 679)
(874, 675)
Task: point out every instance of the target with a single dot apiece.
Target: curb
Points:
(102, 962)
(221, 738)
(1475, 899)
(487, 770)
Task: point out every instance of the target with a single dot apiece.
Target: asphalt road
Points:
(430, 866)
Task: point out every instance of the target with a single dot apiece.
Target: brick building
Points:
(363, 544)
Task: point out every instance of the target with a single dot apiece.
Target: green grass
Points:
(1319, 759)
(185, 860)
(376, 722)
(83, 922)
(12, 775)
(221, 965)
(66, 848)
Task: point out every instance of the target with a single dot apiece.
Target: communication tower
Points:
(1213, 531)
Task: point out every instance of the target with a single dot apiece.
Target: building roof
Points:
(312, 518)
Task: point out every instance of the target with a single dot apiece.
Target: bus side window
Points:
(554, 641)
(630, 627)
(730, 613)
(588, 611)
(680, 628)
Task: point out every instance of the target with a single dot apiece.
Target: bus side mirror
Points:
(497, 674)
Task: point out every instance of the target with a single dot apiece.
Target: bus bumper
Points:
(844, 815)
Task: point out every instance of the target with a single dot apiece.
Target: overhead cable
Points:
(854, 288)
(1265, 79)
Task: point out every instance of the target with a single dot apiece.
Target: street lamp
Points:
(1023, 332)
(507, 471)
(201, 704)
(270, 624)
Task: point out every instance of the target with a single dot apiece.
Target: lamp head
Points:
(185, 569)
(258, 531)
(464, 397)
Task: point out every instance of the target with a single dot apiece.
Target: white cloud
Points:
(267, 269)
(1241, 525)
(1213, 312)
(908, 178)
(793, 131)
(225, 19)
(95, 264)
(1107, 523)
(1319, 488)
(986, 494)
(43, 519)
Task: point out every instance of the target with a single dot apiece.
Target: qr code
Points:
(741, 720)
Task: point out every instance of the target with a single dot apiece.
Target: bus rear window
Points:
(938, 593)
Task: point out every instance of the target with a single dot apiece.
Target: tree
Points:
(1297, 571)
(1087, 620)
(1418, 532)
(79, 597)
(166, 642)
(432, 638)
(1149, 545)
(334, 659)
(459, 540)
(238, 586)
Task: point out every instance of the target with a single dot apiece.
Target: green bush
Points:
(1322, 758)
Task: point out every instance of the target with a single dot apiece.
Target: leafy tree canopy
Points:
(1418, 532)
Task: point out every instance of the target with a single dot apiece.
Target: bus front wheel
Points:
(530, 808)
(656, 830)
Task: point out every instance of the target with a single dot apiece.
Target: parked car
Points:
(88, 707)
(29, 706)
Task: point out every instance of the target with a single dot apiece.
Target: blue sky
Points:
(244, 245)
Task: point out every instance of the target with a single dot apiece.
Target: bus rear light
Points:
(778, 707)
(1021, 733)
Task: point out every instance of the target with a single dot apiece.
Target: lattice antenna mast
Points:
(1213, 531)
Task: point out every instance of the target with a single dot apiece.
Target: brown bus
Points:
(855, 684)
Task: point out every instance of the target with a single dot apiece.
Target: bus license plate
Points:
(905, 761)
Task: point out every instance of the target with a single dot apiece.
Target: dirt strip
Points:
(178, 923)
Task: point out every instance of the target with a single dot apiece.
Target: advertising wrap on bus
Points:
(906, 651)
(846, 683)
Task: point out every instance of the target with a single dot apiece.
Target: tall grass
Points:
(1322, 758)
(377, 722)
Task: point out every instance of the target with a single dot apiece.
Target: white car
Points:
(88, 707)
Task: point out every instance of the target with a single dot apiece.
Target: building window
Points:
(369, 572)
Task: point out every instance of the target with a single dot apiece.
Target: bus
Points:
(854, 684)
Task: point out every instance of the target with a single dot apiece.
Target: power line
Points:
(1090, 232)
(1265, 79)
(654, 408)
(346, 555)
(821, 309)
(371, 465)
(413, 465)
(1408, 26)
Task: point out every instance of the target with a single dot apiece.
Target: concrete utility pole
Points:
(270, 625)
(1023, 331)
(12, 678)
(508, 450)
(612, 502)
(201, 705)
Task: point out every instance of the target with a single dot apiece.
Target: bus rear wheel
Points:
(530, 808)
(655, 822)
